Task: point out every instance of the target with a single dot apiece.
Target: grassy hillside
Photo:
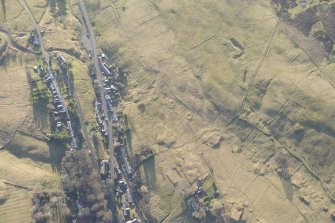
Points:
(26, 163)
(27, 160)
(229, 87)
(14, 18)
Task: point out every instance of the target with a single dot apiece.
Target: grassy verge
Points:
(83, 85)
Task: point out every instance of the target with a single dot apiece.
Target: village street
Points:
(109, 111)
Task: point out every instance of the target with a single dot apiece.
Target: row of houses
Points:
(60, 112)
(127, 205)
(62, 63)
(109, 71)
(121, 154)
(123, 171)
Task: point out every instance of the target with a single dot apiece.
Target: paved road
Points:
(37, 27)
(93, 48)
(46, 56)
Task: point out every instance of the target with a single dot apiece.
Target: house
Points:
(117, 168)
(61, 61)
(41, 69)
(129, 197)
(34, 39)
(117, 145)
(105, 69)
(104, 167)
(117, 194)
(98, 110)
(117, 127)
(48, 79)
(126, 213)
(108, 103)
(108, 99)
(113, 88)
(194, 204)
(108, 90)
(122, 185)
(201, 193)
(100, 62)
(60, 107)
(57, 102)
(98, 107)
(104, 128)
(113, 117)
(114, 71)
(117, 173)
(49, 72)
(59, 125)
(62, 112)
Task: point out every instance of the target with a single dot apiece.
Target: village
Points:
(109, 122)
(65, 129)
(63, 122)
(205, 202)
(167, 111)
(118, 167)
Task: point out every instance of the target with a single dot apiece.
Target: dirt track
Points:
(16, 46)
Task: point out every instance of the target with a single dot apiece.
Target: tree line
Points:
(85, 195)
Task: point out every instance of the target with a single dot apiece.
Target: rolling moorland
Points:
(234, 96)
(240, 90)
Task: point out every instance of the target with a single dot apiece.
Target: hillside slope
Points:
(230, 88)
